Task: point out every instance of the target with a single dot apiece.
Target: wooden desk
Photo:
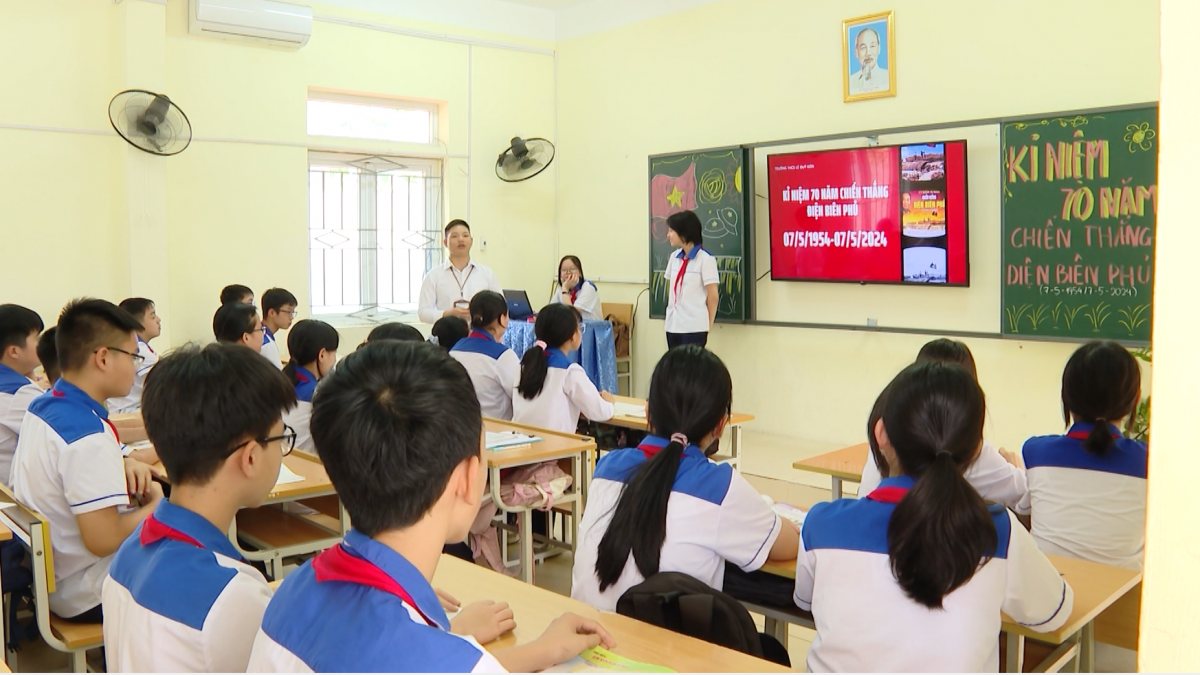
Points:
(1096, 588)
(534, 608)
(735, 427)
(840, 465)
(553, 446)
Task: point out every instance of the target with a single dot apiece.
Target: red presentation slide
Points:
(891, 214)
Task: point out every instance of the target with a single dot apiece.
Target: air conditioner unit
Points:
(276, 23)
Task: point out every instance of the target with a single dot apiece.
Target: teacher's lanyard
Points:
(463, 284)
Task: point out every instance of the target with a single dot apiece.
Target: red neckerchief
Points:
(335, 564)
(888, 495)
(480, 335)
(154, 530)
(59, 394)
(575, 291)
(678, 285)
(650, 450)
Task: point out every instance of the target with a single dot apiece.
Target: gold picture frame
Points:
(866, 81)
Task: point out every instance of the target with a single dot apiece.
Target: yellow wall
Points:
(236, 200)
(1171, 596)
(775, 68)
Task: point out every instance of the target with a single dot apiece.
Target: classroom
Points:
(358, 152)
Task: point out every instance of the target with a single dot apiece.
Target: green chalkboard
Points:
(1079, 213)
(709, 182)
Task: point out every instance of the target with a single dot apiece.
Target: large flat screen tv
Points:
(886, 214)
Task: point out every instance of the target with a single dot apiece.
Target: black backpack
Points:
(683, 604)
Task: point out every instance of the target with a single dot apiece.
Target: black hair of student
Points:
(486, 308)
(949, 351)
(87, 324)
(555, 325)
(202, 402)
(305, 341)
(449, 330)
(691, 392)
(1101, 385)
(872, 442)
(47, 353)
(232, 321)
(578, 266)
(941, 531)
(234, 293)
(136, 306)
(394, 331)
(17, 323)
(275, 299)
(453, 224)
(390, 424)
(687, 225)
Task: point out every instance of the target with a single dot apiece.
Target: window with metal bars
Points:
(374, 231)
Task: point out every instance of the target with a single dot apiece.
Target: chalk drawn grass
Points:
(1014, 316)
(1134, 317)
(1039, 316)
(1066, 314)
(1098, 315)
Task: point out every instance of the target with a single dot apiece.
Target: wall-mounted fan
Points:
(524, 159)
(150, 122)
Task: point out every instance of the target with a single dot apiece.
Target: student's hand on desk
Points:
(570, 635)
(449, 602)
(1011, 457)
(137, 477)
(607, 397)
(484, 620)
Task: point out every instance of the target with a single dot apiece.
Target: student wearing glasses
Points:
(278, 312)
(574, 290)
(68, 463)
(238, 324)
(215, 416)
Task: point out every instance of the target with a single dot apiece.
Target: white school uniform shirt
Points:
(298, 417)
(16, 393)
(866, 623)
(444, 285)
(180, 599)
(133, 402)
(713, 516)
(494, 370)
(362, 607)
(1086, 506)
(587, 300)
(990, 474)
(68, 462)
(270, 348)
(566, 392)
(687, 303)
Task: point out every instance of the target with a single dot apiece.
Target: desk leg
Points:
(736, 450)
(1015, 653)
(343, 518)
(836, 489)
(525, 526)
(1086, 662)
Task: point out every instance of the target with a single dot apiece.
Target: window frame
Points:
(376, 102)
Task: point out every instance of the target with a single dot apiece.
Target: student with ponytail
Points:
(493, 367)
(664, 506)
(913, 577)
(996, 473)
(312, 350)
(553, 391)
(1087, 488)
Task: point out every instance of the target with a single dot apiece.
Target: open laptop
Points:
(519, 308)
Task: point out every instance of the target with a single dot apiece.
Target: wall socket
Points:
(872, 323)
(483, 244)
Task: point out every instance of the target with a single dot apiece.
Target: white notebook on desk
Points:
(629, 410)
(286, 476)
(498, 440)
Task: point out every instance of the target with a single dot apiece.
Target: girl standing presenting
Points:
(692, 277)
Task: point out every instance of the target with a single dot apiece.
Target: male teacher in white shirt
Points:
(448, 288)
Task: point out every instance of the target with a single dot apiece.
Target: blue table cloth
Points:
(597, 355)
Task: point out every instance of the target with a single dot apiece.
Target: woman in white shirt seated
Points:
(577, 291)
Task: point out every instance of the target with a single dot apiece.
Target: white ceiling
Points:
(549, 20)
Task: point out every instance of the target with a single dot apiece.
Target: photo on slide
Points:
(923, 240)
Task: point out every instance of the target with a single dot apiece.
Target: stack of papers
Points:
(789, 512)
(496, 440)
(629, 410)
(286, 476)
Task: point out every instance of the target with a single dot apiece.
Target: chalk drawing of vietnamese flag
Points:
(669, 195)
